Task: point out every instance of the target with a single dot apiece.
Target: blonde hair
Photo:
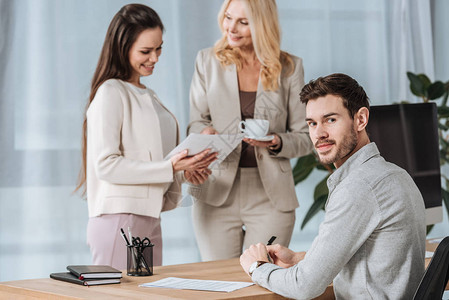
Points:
(266, 37)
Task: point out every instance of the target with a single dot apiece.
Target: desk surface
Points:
(128, 289)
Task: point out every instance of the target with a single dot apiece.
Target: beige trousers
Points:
(247, 218)
(107, 245)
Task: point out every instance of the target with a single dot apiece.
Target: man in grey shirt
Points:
(371, 243)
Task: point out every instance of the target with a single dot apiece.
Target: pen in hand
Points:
(270, 241)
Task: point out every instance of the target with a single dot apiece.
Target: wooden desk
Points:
(128, 289)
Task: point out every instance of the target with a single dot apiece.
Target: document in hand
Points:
(224, 144)
(69, 277)
(94, 271)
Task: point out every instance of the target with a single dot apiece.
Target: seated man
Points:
(371, 243)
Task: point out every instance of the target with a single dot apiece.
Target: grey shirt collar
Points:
(365, 153)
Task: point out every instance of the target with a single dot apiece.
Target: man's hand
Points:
(284, 257)
(253, 253)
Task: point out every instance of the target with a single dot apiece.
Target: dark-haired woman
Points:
(127, 133)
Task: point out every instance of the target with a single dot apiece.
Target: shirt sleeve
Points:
(104, 121)
(351, 216)
(295, 141)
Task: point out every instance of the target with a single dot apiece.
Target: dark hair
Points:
(123, 31)
(340, 85)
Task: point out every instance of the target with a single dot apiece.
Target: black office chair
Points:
(435, 278)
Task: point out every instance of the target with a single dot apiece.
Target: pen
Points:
(270, 241)
(133, 249)
(124, 236)
(130, 235)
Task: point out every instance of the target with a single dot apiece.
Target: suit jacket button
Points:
(260, 156)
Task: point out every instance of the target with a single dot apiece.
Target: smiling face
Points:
(333, 132)
(236, 26)
(144, 53)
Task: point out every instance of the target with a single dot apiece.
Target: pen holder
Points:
(140, 260)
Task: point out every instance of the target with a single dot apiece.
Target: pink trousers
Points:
(108, 247)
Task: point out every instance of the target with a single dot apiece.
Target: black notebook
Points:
(94, 271)
(69, 277)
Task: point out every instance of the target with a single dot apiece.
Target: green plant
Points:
(304, 166)
(421, 86)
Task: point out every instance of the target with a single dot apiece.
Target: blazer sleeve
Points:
(104, 118)
(295, 141)
(199, 108)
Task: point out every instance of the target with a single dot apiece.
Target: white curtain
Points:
(49, 50)
(411, 45)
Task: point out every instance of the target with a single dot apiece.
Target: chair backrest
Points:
(436, 276)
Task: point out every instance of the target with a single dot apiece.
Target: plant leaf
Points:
(443, 158)
(304, 166)
(425, 80)
(429, 229)
(443, 111)
(321, 189)
(416, 85)
(445, 196)
(323, 167)
(436, 90)
(443, 127)
(317, 206)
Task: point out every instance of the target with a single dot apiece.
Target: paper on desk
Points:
(221, 143)
(197, 284)
(435, 241)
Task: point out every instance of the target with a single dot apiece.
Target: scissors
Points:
(140, 246)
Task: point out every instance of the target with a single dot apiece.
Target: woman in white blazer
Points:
(127, 133)
(251, 196)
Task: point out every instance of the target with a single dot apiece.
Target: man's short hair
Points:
(340, 85)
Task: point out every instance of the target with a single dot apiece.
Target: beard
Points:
(348, 144)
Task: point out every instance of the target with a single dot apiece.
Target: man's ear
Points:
(361, 118)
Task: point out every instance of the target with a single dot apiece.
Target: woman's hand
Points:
(197, 177)
(199, 162)
(275, 143)
(209, 130)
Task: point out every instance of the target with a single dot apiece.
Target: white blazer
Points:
(126, 172)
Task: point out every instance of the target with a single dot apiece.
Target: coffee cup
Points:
(254, 128)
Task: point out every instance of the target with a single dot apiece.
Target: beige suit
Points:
(262, 199)
(214, 101)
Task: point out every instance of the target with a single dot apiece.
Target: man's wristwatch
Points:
(254, 266)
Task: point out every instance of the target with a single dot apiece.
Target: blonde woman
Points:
(251, 195)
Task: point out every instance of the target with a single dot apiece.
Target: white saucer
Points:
(261, 138)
